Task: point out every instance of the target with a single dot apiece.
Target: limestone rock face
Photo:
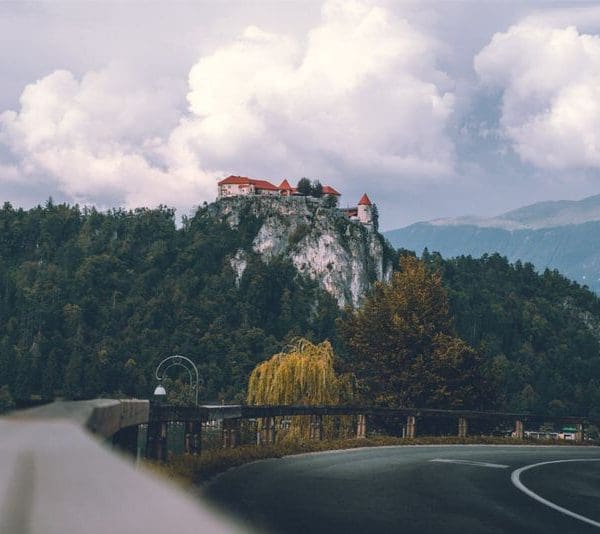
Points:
(345, 257)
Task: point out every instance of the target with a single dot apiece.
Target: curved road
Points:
(466, 489)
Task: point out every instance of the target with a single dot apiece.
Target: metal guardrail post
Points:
(193, 437)
(519, 432)
(463, 426)
(156, 447)
(579, 427)
(316, 427)
(231, 433)
(411, 426)
(361, 426)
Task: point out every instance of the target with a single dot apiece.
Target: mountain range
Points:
(562, 235)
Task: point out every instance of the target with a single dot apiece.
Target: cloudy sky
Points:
(435, 109)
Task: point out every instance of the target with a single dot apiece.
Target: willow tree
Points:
(303, 374)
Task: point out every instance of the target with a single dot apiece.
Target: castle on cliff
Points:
(233, 186)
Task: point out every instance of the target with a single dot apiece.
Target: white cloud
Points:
(96, 138)
(9, 174)
(360, 94)
(550, 83)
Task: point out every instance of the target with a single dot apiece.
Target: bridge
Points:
(55, 477)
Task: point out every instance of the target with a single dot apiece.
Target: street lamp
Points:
(160, 391)
(181, 361)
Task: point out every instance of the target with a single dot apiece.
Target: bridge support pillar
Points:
(231, 433)
(411, 426)
(156, 448)
(579, 432)
(463, 427)
(193, 437)
(361, 426)
(126, 439)
(519, 432)
(266, 434)
(316, 427)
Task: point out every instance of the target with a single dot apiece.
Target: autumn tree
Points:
(403, 349)
(303, 374)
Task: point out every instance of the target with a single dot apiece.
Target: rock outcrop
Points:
(345, 257)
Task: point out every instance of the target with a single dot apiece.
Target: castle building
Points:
(330, 191)
(233, 186)
(240, 185)
(362, 213)
(364, 210)
(286, 189)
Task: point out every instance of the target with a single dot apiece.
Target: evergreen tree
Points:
(330, 201)
(316, 189)
(304, 187)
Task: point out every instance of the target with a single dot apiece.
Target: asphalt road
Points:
(441, 489)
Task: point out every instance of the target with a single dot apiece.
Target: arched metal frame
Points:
(178, 360)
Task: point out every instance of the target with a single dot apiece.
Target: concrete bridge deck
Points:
(55, 478)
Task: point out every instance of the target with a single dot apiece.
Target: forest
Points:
(91, 301)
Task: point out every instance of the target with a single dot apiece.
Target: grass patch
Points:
(186, 469)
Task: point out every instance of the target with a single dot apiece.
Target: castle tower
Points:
(286, 189)
(365, 210)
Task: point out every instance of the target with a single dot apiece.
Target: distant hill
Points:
(563, 235)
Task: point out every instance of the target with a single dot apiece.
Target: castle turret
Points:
(365, 210)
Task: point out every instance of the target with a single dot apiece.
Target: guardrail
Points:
(266, 428)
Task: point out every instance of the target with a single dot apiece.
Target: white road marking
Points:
(469, 462)
(515, 477)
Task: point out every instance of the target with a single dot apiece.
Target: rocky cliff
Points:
(345, 257)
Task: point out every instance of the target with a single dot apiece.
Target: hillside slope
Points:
(90, 302)
(557, 235)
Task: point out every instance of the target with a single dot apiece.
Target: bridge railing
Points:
(266, 417)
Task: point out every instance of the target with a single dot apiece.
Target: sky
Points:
(435, 109)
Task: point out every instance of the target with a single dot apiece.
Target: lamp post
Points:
(160, 393)
(173, 361)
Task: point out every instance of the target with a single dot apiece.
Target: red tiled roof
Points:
(285, 186)
(364, 201)
(243, 180)
(263, 184)
(328, 190)
(237, 180)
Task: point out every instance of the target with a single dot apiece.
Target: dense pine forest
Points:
(539, 333)
(90, 302)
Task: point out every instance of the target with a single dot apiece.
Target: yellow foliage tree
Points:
(403, 348)
(304, 374)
